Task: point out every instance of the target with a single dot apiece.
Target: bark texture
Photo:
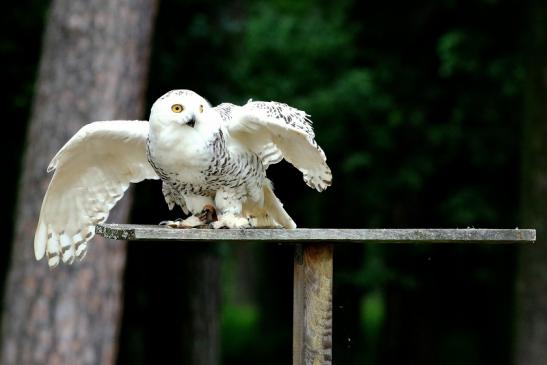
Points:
(531, 291)
(201, 334)
(94, 66)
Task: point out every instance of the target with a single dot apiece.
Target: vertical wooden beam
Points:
(312, 312)
(298, 307)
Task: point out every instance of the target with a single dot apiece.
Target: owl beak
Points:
(191, 122)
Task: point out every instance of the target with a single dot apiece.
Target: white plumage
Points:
(208, 158)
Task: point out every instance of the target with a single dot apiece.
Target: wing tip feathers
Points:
(40, 241)
(319, 180)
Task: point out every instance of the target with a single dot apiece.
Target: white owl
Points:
(212, 161)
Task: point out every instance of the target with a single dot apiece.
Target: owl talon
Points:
(189, 222)
(174, 224)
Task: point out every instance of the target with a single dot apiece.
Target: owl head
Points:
(181, 108)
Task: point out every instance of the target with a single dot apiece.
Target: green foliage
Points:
(416, 112)
(416, 105)
(372, 313)
(239, 327)
(457, 51)
(284, 54)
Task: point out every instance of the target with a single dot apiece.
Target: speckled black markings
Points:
(242, 174)
(181, 92)
(225, 111)
(161, 173)
(297, 119)
(225, 171)
(232, 171)
(292, 116)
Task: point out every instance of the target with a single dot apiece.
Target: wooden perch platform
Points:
(331, 235)
(313, 265)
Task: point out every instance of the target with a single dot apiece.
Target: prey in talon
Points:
(212, 161)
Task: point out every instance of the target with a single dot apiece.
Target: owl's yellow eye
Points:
(177, 108)
(201, 108)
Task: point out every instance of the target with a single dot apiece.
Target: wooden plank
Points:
(469, 235)
(312, 319)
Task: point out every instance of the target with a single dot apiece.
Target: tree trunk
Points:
(94, 66)
(531, 291)
(201, 334)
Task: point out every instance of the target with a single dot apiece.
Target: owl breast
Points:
(214, 168)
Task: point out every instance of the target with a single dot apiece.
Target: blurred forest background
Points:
(422, 109)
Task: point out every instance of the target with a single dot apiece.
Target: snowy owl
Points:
(212, 162)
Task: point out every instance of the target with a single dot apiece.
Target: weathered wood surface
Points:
(470, 235)
(312, 309)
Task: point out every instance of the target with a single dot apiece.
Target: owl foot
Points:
(202, 219)
(233, 221)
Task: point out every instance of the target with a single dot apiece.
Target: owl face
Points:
(184, 108)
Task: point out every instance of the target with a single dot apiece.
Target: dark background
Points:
(418, 108)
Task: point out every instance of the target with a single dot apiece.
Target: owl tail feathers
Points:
(274, 207)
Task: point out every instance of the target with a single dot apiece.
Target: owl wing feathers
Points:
(275, 131)
(92, 172)
(172, 198)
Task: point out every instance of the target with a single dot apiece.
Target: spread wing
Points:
(275, 131)
(92, 172)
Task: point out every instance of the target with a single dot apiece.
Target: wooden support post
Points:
(312, 312)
